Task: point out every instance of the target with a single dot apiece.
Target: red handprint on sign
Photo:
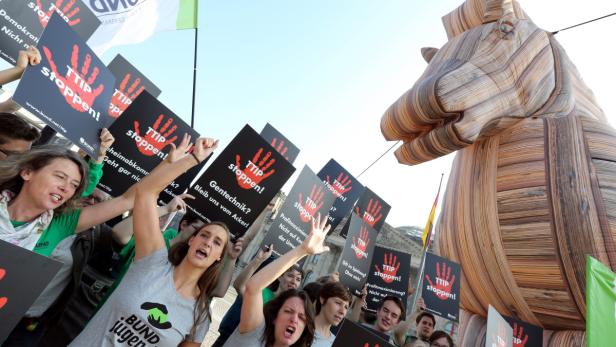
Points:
(444, 281)
(371, 216)
(519, 338)
(360, 245)
(122, 97)
(282, 149)
(77, 90)
(390, 268)
(341, 185)
(368, 345)
(312, 204)
(254, 172)
(154, 139)
(43, 15)
(3, 299)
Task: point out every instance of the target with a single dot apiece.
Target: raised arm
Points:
(30, 56)
(250, 268)
(228, 268)
(123, 231)
(252, 306)
(358, 302)
(401, 328)
(148, 238)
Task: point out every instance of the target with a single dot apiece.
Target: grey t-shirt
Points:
(320, 341)
(145, 310)
(249, 339)
(61, 253)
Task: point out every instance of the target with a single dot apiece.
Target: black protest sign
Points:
(240, 183)
(357, 254)
(129, 84)
(275, 138)
(498, 331)
(70, 89)
(308, 198)
(23, 276)
(22, 22)
(345, 187)
(389, 275)
(353, 334)
(525, 334)
(441, 287)
(142, 140)
(371, 209)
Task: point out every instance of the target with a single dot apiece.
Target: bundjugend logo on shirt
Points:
(137, 333)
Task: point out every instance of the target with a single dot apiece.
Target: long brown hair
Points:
(36, 159)
(208, 280)
(270, 311)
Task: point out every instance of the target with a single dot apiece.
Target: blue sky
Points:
(323, 73)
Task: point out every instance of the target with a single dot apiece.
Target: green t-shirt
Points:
(267, 295)
(127, 254)
(94, 176)
(61, 226)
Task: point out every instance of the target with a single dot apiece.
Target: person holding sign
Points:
(288, 319)
(164, 297)
(30, 56)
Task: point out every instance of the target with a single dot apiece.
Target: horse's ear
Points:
(428, 52)
(473, 13)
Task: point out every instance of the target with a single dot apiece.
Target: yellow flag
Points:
(427, 233)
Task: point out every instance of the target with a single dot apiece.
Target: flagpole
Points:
(192, 115)
(423, 256)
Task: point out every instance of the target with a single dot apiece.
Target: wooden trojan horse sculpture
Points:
(532, 189)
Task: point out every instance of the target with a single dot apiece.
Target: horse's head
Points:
(497, 68)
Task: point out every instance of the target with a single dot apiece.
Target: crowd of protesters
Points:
(136, 282)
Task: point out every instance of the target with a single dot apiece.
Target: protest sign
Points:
(498, 332)
(23, 276)
(353, 334)
(308, 198)
(70, 89)
(357, 254)
(389, 275)
(525, 334)
(240, 183)
(275, 138)
(22, 23)
(344, 186)
(130, 82)
(371, 209)
(142, 140)
(441, 287)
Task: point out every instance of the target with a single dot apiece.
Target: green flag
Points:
(600, 304)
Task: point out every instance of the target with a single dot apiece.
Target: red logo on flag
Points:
(123, 97)
(313, 203)
(444, 282)
(3, 299)
(390, 268)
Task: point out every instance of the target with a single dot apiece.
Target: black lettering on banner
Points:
(69, 89)
(280, 143)
(142, 140)
(389, 275)
(307, 199)
(22, 23)
(344, 186)
(357, 254)
(441, 286)
(18, 287)
(240, 183)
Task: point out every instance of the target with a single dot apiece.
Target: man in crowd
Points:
(388, 315)
(331, 307)
(16, 135)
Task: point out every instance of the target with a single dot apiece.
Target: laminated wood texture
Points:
(532, 189)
